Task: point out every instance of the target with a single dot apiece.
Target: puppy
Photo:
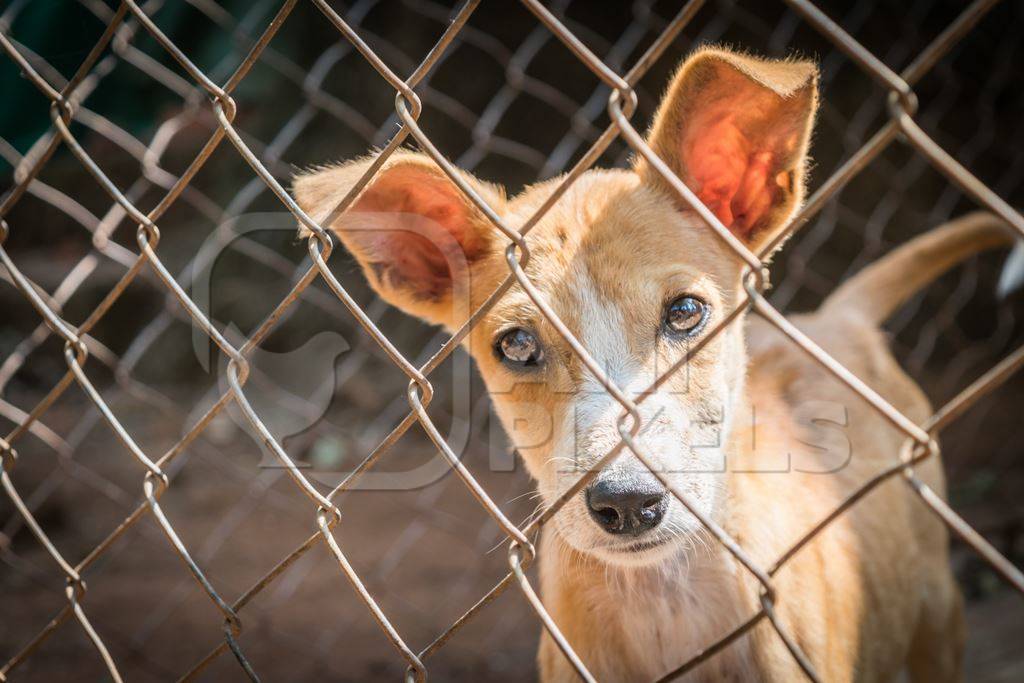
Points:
(758, 436)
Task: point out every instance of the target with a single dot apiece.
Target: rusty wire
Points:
(210, 95)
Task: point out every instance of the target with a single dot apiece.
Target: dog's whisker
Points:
(531, 495)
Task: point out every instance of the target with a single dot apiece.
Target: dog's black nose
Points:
(631, 506)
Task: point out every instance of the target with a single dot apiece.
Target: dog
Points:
(758, 436)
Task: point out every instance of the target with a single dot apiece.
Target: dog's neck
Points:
(643, 622)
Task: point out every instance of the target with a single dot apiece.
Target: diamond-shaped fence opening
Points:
(173, 508)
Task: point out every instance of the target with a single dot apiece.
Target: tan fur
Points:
(743, 439)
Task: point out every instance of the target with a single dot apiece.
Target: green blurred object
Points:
(62, 32)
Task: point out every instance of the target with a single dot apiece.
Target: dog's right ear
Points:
(413, 231)
(735, 129)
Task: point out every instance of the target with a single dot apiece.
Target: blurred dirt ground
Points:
(427, 555)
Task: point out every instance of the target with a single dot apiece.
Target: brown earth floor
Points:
(425, 554)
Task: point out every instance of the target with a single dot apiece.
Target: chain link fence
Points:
(149, 128)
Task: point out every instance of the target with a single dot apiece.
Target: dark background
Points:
(510, 103)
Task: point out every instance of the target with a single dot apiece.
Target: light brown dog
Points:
(759, 437)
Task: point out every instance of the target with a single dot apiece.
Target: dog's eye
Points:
(686, 315)
(519, 347)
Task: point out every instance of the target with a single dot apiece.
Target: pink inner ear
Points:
(418, 219)
(730, 172)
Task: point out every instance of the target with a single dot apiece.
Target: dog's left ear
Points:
(735, 129)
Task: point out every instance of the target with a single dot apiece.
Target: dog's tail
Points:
(879, 290)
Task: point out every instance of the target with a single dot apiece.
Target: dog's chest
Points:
(662, 624)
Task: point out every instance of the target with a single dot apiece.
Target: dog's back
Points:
(888, 547)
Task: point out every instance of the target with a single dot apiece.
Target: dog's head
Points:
(627, 267)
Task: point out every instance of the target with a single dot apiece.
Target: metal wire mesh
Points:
(206, 111)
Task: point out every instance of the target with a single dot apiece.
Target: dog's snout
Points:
(627, 507)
